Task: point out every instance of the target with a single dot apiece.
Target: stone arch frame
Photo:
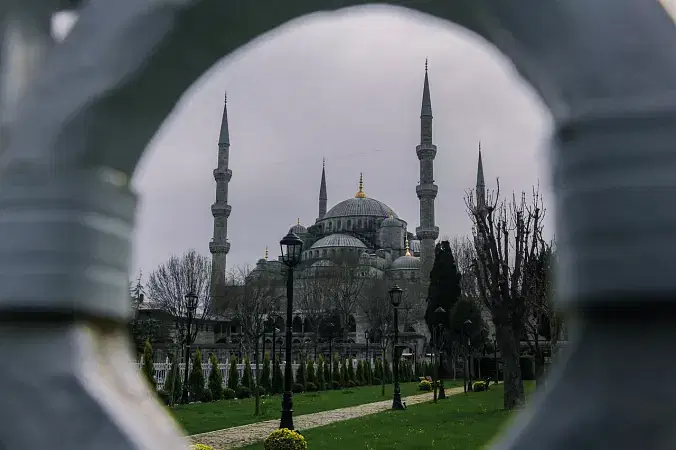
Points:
(576, 54)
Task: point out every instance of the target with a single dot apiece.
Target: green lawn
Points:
(461, 422)
(200, 418)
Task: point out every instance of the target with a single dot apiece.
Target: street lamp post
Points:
(368, 362)
(466, 364)
(291, 246)
(274, 341)
(190, 305)
(395, 297)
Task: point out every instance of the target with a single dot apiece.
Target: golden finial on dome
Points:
(266, 252)
(361, 193)
(298, 223)
(391, 214)
(408, 251)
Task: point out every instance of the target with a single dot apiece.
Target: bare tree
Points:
(252, 296)
(508, 242)
(346, 288)
(313, 297)
(171, 281)
(544, 321)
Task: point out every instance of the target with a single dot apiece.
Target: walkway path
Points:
(255, 432)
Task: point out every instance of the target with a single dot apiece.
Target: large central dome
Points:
(360, 207)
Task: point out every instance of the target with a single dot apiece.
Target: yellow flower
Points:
(201, 447)
(285, 439)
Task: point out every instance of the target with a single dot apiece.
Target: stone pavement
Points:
(255, 432)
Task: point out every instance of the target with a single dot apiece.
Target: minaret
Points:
(322, 192)
(219, 245)
(480, 184)
(427, 232)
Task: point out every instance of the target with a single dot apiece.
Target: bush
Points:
(311, 387)
(242, 392)
(229, 394)
(377, 381)
(207, 396)
(335, 385)
(163, 396)
(351, 384)
(196, 378)
(261, 390)
(285, 439)
(479, 386)
(215, 379)
(425, 385)
(350, 371)
(201, 447)
(297, 388)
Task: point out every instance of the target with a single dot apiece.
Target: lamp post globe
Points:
(395, 298)
(291, 246)
(395, 295)
(191, 306)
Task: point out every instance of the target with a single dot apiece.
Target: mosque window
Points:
(323, 252)
(330, 226)
(349, 224)
(359, 223)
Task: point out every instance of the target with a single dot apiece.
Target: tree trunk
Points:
(539, 361)
(514, 396)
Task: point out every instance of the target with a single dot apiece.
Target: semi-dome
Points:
(391, 221)
(338, 240)
(298, 228)
(406, 262)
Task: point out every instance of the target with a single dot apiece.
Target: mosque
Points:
(361, 231)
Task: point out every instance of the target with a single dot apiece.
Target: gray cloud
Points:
(346, 87)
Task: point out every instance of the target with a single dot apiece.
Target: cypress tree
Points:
(215, 379)
(327, 372)
(148, 367)
(360, 373)
(233, 374)
(172, 383)
(350, 371)
(277, 377)
(387, 371)
(300, 375)
(311, 375)
(378, 371)
(196, 378)
(247, 379)
(264, 379)
(336, 371)
(321, 380)
(284, 376)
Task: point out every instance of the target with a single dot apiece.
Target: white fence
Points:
(162, 369)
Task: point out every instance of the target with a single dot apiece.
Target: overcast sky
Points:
(347, 88)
